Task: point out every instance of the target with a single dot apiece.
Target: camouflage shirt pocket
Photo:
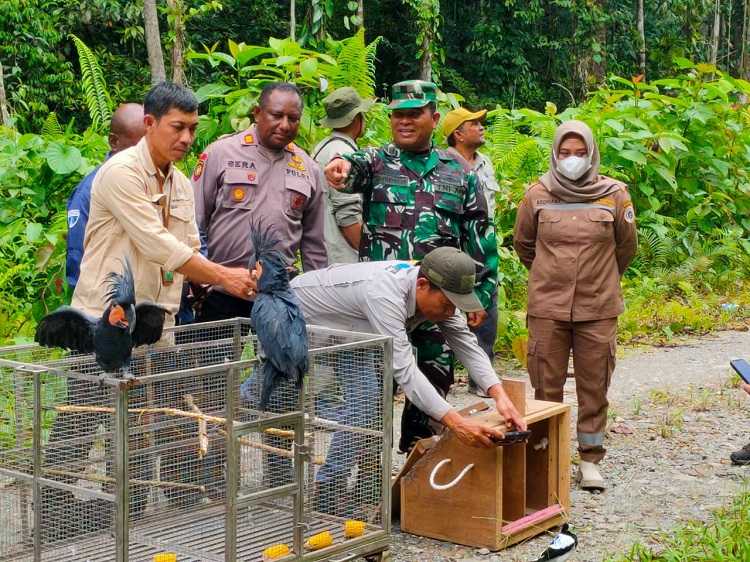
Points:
(390, 202)
(449, 210)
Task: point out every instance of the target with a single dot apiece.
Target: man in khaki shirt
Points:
(345, 114)
(465, 135)
(142, 209)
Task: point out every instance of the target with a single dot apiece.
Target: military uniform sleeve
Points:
(389, 319)
(345, 207)
(466, 347)
(478, 238)
(312, 245)
(626, 236)
(524, 232)
(205, 189)
(123, 193)
(360, 175)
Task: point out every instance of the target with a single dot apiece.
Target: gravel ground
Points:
(673, 422)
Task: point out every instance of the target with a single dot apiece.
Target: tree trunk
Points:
(361, 13)
(715, 34)
(292, 20)
(728, 32)
(178, 48)
(153, 42)
(641, 39)
(4, 115)
(590, 71)
(744, 66)
(425, 63)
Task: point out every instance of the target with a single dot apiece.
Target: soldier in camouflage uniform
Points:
(417, 198)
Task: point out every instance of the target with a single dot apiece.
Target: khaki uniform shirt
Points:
(575, 253)
(342, 209)
(380, 298)
(237, 180)
(126, 221)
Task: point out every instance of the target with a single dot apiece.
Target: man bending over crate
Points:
(391, 298)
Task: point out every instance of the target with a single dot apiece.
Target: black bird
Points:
(276, 316)
(123, 325)
(561, 547)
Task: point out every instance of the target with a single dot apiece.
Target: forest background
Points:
(662, 83)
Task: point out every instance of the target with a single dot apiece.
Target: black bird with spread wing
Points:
(122, 326)
(276, 316)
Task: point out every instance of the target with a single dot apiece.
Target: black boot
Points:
(741, 457)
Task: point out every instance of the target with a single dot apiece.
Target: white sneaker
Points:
(589, 478)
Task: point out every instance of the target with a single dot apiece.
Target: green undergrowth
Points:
(655, 316)
(724, 538)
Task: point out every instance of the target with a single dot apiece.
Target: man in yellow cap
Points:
(465, 134)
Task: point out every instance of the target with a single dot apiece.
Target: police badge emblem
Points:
(298, 201)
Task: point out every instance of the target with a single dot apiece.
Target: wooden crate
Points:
(511, 493)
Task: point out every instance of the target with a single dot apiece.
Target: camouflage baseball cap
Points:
(412, 93)
(455, 273)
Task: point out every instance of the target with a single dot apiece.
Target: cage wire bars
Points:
(183, 459)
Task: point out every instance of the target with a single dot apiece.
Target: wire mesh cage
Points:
(182, 458)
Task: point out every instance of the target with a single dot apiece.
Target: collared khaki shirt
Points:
(575, 253)
(237, 180)
(126, 220)
(342, 209)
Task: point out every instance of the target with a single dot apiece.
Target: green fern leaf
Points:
(355, 65)
(94, 86)
(51, 126)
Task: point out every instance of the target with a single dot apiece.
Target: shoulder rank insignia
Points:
(296, 163)
(248, 139)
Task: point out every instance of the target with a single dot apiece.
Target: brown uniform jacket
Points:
(575, 253)
(126, 221)
(236, 180)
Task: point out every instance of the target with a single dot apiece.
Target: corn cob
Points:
(321, 540)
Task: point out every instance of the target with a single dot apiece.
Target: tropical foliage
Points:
(680, 143)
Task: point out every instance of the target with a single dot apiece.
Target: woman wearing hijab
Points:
(575, 233)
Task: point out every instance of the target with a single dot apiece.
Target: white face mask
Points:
(573, 167)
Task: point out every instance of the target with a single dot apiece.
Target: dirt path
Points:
(673, 423)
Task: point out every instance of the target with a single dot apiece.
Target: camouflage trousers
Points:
(435, 360)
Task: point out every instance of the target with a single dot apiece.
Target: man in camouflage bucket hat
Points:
(418, 198)
(345, 115)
